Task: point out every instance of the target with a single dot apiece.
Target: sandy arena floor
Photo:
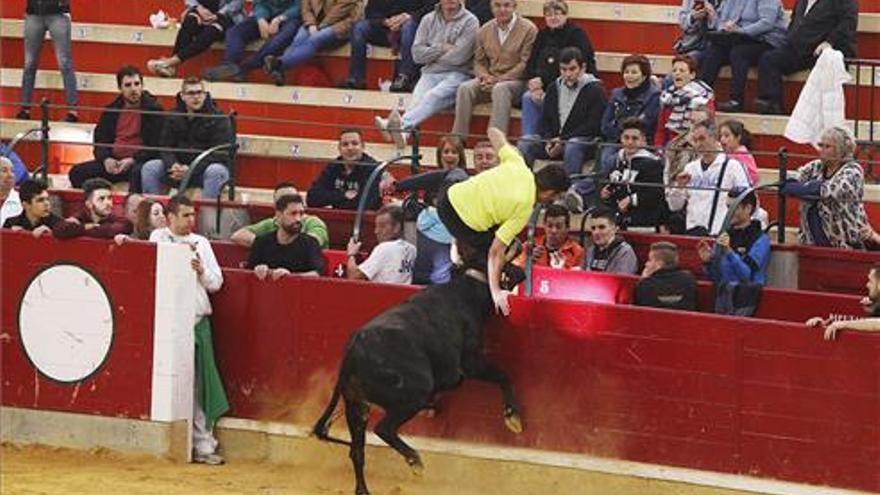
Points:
(34, 470)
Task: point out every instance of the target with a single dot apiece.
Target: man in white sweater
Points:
(444, 46)
(210, 400)
(705, 209)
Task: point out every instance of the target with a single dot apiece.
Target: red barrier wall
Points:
(752, 397)
(776, 304)
(118, 388)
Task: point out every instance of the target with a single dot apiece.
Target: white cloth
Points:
(821, 104)
(11, 207)
(211, 279)
(699, 202)
(504, 33)
(391, 262)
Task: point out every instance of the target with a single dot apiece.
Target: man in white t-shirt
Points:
(391, 261)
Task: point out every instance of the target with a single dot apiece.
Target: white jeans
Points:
(203, 438)
(434, 92)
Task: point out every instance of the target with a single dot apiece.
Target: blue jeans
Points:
(274, 45)
(35, 27)
(434, 92)
(372, 32)
(154, 178)
(531, 115)
(305, 46)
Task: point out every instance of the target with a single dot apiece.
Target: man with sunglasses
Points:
(120, 133)
(196, 125)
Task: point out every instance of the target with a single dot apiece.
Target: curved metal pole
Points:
(21, 135)
(731, 209)
(362, 203)
(530, 246)
(184, 184)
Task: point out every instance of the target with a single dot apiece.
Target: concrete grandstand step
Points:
(147, 36)
(318, 97)
(312, 149)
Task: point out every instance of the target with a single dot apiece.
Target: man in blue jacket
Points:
(740, 257)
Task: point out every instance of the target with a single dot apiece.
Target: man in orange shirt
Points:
(554, 248)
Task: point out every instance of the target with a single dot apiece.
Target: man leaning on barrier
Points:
(96, 218)
(196, 125)
(311, 224)
(37, 216)
(834, 323)
(121, 131)
(209, 402)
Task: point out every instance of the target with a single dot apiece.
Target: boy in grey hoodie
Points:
(444, 45)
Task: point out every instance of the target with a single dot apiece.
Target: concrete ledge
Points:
(82, 431)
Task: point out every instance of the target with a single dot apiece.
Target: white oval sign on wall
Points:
(66, 323)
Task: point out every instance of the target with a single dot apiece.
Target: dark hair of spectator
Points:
(351, 130)
(29, 189)
(553, 177)
(691, 63)
(666, 252)
(483, 143)
(739, 130)
(632, 123)
(455, 142)
(284, 201)
(142, 225)
(127, 71)
(750, 199)
(394, 212)
(556, 211)
(708, 124)
(637, 59)
(176, 202)
(606, 213)
(570, 53)
(94, 184)
(284, 185)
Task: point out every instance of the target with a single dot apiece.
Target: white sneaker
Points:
(209, 459)
(394, 126)
(382, 126)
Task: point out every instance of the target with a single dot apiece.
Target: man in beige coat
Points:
(503, 47)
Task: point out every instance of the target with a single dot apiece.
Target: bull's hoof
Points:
(512, 420)
(415, 464)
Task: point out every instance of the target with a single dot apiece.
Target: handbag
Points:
(693, 40)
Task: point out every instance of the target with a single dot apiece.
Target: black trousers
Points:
(776, 63)
(473, 246)
(194, 38)
(739, 56)
(88, 170)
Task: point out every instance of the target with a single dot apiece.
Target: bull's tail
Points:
(322, 426)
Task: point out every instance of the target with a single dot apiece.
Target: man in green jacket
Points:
(312, 225)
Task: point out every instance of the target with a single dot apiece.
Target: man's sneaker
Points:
(25, 115)
(731, 106)
(209, 459)
(272, 66)
(221, 72)
(161, 68)
(352, 84)
(572, 201)
(394, 126)
(402, 84)
(71, 117)
(767, 107)
(382, 126)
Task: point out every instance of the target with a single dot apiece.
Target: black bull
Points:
(401, 358)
